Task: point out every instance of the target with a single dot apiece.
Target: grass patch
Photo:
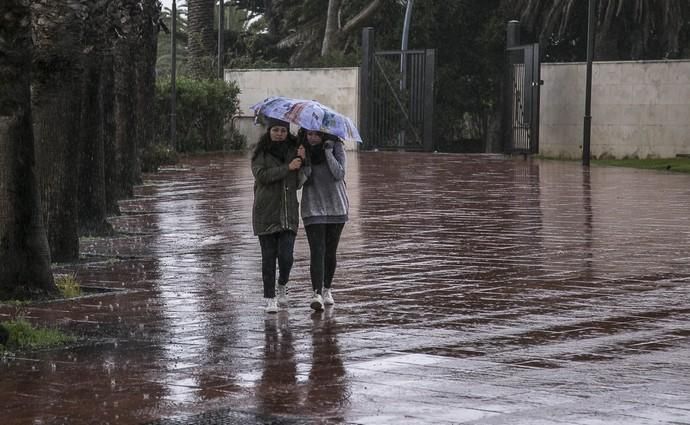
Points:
(21, 335)
(68, 285)
(681, 165)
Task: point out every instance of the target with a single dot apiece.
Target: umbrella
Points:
(308, 114)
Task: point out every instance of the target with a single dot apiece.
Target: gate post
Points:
(365, 84)
(512, 40)
(513, 33)
(536, 90)
(429, 66)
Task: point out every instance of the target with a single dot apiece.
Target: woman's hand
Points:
(295, 164)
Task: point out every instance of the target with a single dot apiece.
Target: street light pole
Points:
(403, 44)
(588, 88)
(221, 36)
(403, 60)
(173, 83)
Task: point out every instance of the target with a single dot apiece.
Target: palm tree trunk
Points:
(24, 253)
(107, 94)
(56, 107)
(146, 73)
(201, 44)
(125, 121)
(56, 129)
(92, 199)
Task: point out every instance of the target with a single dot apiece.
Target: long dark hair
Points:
(265, 140)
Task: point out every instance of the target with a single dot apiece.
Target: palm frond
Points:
(301, 36)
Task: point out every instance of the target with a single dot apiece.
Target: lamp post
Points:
(173, 84)
(221, 35)
(403, 44)
(588, 88)
(403, 60)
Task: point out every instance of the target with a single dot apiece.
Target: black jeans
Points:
(323, 244)
(278, 246)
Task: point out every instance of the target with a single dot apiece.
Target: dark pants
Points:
(323, 243)
(278, 246)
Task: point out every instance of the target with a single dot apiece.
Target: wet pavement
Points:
(471, 289)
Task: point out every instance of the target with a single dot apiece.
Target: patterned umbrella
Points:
(308, 114)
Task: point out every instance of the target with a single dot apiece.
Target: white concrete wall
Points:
(639, 109)
(337, 88)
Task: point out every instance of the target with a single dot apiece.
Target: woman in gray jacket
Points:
(324, 209)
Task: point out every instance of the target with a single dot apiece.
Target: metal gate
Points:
(396, 98)
(522, 112)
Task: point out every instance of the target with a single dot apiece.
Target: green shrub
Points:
(156, 155)
(68, 285)
(203, 108)
(22, 336)
(234, 140)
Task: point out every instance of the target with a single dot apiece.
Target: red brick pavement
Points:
(470, 289)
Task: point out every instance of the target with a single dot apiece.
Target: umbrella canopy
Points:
(308, 114)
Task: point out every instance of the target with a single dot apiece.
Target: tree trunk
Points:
(334, 36)
(92, 200)
(56, 107)
(201, 44)
(24, 253)
(107, 94)
(56, 129)
(331, 26)
(126, 164)
(146, 73)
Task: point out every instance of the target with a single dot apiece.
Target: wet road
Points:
(470, 289)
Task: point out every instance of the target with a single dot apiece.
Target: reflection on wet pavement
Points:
(470, 289)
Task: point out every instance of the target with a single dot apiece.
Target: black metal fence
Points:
(523, 87)
(397, 98)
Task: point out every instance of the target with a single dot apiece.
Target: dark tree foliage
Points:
(626, 29)
(469, 38)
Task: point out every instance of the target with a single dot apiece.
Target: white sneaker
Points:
(316, 302)
(328, 297)
(282, 294)
(271, 305)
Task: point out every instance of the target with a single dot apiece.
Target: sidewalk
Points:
(470, 289)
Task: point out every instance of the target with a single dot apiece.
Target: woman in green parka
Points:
(276, 164)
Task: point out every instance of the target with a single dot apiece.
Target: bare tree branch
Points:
(361, 16)
(331, 26)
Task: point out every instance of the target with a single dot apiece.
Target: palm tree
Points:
(56, 87)
(626, 29)
(126, 30)
(164, 61)
(315, 31)
(24, 253)
(101, 27)
(127, 139)
(146, 72)
(201, 39)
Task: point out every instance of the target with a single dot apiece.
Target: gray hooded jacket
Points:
(324, 194)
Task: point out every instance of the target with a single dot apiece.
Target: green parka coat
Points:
(276, 208)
